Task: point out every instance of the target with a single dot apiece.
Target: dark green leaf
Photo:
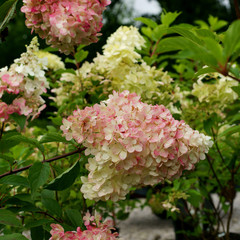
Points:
(237, 89)
(38, 175)
(37, 233)
(194, 198)
(15, 180)
(50, 203)
(9, 218)
(207, 125)
(7, 158)
(6, 12)
(75, 217)
(53, 137)
(36, 223)
(19, 119)
(66, 179)
(14, 236)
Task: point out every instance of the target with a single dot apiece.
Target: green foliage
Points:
(6, 12)
(66, 179)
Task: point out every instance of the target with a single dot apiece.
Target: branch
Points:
(214, 173)
(1, 131)
(236, 6)
(235, 78)
(79, 150)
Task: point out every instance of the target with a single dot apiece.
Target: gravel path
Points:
(144, 225)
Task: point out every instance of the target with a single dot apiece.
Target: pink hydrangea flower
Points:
(22, 84)
(133, 144)
(65, 23)
(96, 230)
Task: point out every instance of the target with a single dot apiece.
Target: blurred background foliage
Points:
(120, 12)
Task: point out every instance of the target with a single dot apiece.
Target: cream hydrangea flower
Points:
(219, 93)
(54, 62)
(133, 144)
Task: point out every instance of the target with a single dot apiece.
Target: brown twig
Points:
(79, 150)
(236, 6)
(47, 214)
(235, 78)
(214, 173)
(2, 129)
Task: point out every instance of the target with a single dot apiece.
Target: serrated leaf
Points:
(80, 56)
(207, 125)
(15, 180)
(9, 218)
(75, 217)
(149, 22)
(169, 17)
(231, 39)
(14, 236)
(66, 179)
(6, 12)
(38, 175)
(52, 137)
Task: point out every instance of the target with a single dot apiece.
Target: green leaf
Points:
(52, 206)
(149, 22)
(80, 56)
(38, 175)
(36, 223)
(53, 137)
(14, 236)
(24, 139)
(187, 34)
(231, 39)
(15, 180)
(6, 12)
(19, 119)
(228, 132)
(168, 17)
(215, 23)
(7, 158)
(207, 125)
(66, 179)
(37, 233)
(195, 197)
(9, 218)
(204, 71)
(75, 217)
(8, 142)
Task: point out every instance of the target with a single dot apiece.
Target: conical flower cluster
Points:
(133, 144)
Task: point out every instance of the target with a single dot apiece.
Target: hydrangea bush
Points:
(117, 123)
